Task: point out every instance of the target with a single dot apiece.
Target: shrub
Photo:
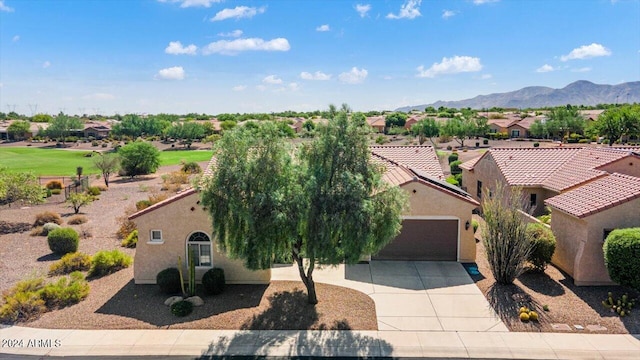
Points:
(94, 143)
(536, 144)
(131, 240)
(46, 229)
(452, 180)
(475, 225)
(485, 141)
(63, 241)
(182, 308)
(54, 184)
(543, 245)
(169, 281)
(142, 204)
(191, 167)
(11, 227)
(93, 190)
(622, 256)
(37, 231)
(78, 200)
(455, 167)
(126, 225)
(77, 220)
(106, 262)
(56, 191)
(104, 145)
(66, 291)
(174, 180)
(102, 187)
(453, 157)
(213, 281)
(47, 217)
(23, 301)
(381, 139)
(71, 262)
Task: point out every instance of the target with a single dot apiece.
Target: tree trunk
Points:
(307, 277)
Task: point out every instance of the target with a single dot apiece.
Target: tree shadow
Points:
(146, 303)
(541, 283)
(506, 301)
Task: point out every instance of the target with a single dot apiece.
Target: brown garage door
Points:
(423, 240)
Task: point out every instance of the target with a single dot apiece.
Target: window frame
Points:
(479, 189)
(208, 244)
(153, 240)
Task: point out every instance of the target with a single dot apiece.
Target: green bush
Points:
(475, 225)
(381, 139)
(71, 262)
(455, 167)
(622, 256)
(66, 291)
(63, 241)
(191, 167)
(54, 184)
(93, 190)
(56, 191)
(169, 281)
(106, 262)
(543, 245)
(131, 240)
(47, 217)
(213, 281)
(143, 204)
(452, 180)
(536, 144)
(182, 308)
(453, 157)
(485, 141)
(23, 302)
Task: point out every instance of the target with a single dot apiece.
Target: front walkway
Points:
(413, 295)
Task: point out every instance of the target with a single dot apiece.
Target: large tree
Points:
(187, 132)
(19, 130)
(139, 158)
(426, 129)
(459, 128)
(107, 163)
(60, 127)
(323, 203)
(617, 122)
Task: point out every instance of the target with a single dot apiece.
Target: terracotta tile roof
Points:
(469, 164)
(530, 166)
(599, 195)
(526, 122)
(394, 174)
(503, 123)
(164, 202)
(376, 120)
(582, 168)
(422, 159)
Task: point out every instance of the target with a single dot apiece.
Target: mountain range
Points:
(581, 92)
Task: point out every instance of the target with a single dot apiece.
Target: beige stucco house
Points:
(590, 191)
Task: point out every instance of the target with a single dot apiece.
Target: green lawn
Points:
(49, 162)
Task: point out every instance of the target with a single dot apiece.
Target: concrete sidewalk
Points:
(203, 343)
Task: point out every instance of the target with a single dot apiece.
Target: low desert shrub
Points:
(182, 308)
(191, 167)
(54, 184)
(93, 190)
(44, 230)
(102, 187)
(66, 291)
(543, 245)
(77, 220)
(56, 191)
(622, 256)
(63, 241)
(71, 262)
(12, 228)
(47, 217)
(174, 181)
(452, 157)
(213, 281)
(23, 301)
(106, 262)
(536, 144)
(126, 226)
(36, 231)
(131, 240)
(169, 281)
(142, 204)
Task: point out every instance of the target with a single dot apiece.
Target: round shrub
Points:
(48, 227)
(107, 262)
(453, 157)
(455, 167)
(536, 144)
(47, 217)
(54, 184)
(191, 167)
(93, 191)
(143, 204)
(543, 245)
(131, 240)
(622, 256)
(213, 281)
(169, 281)
(63, 241)
(182, 308)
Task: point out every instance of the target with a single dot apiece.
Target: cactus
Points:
(192, 274)
(533, 316)
(181, 277)
(524, 316)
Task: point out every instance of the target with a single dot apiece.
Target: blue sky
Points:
(215, 56)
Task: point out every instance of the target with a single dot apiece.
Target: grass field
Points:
(49, 162)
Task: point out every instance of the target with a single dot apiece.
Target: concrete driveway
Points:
(413, 295)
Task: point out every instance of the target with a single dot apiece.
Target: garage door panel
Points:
(424, 240)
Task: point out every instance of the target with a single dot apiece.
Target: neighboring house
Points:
(96, 130)
(377, 123)
(499, 125)
(34, 129)
(590, 115)
(586, 185)
(437, 226)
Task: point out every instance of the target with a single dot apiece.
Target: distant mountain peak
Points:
(581, 92)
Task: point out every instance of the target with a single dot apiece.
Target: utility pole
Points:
(33, 108)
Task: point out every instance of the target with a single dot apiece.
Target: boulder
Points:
(195, 300)
(172, 300)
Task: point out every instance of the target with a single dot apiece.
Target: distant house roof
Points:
(376, 121)
(599, 195)
(590, 114)
(526, 122)
(422, 159)
(501, 123)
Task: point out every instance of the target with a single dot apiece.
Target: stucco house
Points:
(377, 123)
(437, 225)
(590, 191)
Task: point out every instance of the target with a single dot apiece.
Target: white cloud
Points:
(453, 65)
(486, 76)
(545, 68)
(176, 48)
(324, 27)
(583, 69)
(99, 96)
(4, 7)
(192, 3)
(172, 73)
(15, 38)
(355, 76)
(272, 79)
(233, 47)
(238, 12)
(448, 13)
(294, 86)
(46, 64)
(586, 51)
(239, 88)
(233, 34)
(480, 2)
(318, 75)
(408, 10)
(363, 9)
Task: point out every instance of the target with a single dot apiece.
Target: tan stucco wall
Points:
(427, 201)
(486, 171)
(579, 241)
(629, 166)
(177, 221)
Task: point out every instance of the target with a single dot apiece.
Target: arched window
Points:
(199, 245)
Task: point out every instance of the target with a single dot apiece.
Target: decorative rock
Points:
(172, 300)
(195, 300)
(562, 327)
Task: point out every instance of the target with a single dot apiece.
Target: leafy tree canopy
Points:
(139, 158)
